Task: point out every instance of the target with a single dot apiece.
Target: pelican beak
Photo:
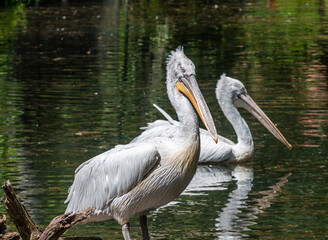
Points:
(255, 110)
(189, 87)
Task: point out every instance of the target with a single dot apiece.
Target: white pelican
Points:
(231, 93)
(140, 176)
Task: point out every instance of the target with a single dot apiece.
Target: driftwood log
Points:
(62, 223)
(17, 212)
(4, 233)
(26, 227)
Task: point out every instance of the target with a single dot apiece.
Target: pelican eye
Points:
(242, 89)
(182, 69)
(241, 93)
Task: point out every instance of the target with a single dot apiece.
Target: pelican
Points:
(231, 94)
(140, 176)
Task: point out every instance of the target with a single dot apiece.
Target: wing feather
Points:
(165, 114)
(109, 175)
(158, 129)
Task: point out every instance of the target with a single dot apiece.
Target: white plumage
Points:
(137, 177)
(231, 93)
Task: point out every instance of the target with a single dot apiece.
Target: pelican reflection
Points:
(239, 211)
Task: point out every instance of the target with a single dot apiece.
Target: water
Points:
(79, 77)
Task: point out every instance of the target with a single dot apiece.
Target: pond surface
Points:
(79, 77)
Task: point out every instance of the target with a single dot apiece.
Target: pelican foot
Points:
(125, 231)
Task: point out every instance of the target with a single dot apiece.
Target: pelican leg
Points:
(144, 228)
(125, 231)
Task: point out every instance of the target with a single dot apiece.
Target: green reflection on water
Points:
(11, 20)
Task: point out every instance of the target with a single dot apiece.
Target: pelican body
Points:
(140, 176)
(231, 94)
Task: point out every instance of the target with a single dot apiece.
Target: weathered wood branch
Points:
(82, 238)
(3, 227)
(62, 223)
(26, 227)
(4, 233)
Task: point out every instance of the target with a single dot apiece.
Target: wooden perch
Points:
(82, 238)
(16, 210)
(4, 233)
(61, 223)
(26, 227)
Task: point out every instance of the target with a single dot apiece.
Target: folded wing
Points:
(111, 174)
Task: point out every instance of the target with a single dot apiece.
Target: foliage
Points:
(10, 3)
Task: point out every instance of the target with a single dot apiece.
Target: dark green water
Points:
(79, 77)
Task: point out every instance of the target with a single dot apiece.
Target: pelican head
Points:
(235, 92)
(182, 88)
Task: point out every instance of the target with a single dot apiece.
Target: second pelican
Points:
(231, 93)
